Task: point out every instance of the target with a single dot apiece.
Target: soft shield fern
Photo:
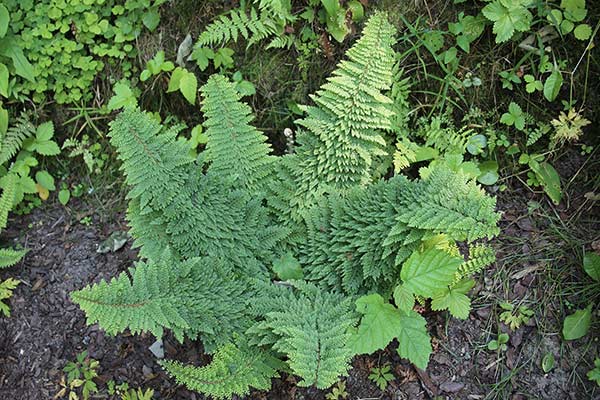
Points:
(293, 263)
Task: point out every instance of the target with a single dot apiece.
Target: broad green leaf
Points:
(4, 20)
(577, 324)
(45, 131)
(175, 81)
(188, 85)
(287, 267)
(430, 272)
(47, 148)
(548, 362)
(454, 301)
(404, 299)
(549, 179)
(123, 98)
(45, 180)
(583, 32)
(413, 340)
(64, 195)
(151, 19)
(591, 265)
(4, 88)
(379, 325)
(566, 26)
(10, 49)
(488, 172)
(552, 85)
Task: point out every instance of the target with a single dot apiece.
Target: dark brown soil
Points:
(46, 330)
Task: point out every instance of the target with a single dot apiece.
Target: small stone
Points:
(158, 349)
(452, 387)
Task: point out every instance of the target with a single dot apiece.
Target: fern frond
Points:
(7, 200)
(344, 126)
(235, 368)
(234, 146)
(153, 159)
(11, 142)
(9, 257)
(480, 257)
(233, 25)
(310, 327)
(449, 202)
(198, 297)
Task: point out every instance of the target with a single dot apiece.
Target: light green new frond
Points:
(234, 370)
(9, 257)
(12, 141)
(309, 326)
(153, 159)
(480, 257)
(196, 297)
(344, 126)
(449, 202)
(234, 146)
(7, 200)
(234, 25)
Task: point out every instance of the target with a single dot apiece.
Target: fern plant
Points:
(289, 264)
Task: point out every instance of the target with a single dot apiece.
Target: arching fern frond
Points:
(235, 368)
(237, 23)
(7, 200)
(198, 297)
(9, 257)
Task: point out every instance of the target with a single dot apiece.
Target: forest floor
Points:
(46, 330)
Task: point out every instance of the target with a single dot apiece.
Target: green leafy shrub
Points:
(289, 263)
(68, 42)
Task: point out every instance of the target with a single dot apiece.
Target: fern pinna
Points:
(293, 263)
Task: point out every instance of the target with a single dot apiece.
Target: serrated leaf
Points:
(591, 265)
(552, 85)
(429, 272)
(414, 342)
(123, 98)
(404, 299)
(45, 131)
(4, 88)
(151, 19)
(378, 327)
(454, 301)
(577, 324)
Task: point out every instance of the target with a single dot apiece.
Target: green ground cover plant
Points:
(305, 260)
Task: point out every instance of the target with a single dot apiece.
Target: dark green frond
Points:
(153, 159)
(197, 297)
(234, 146)
(310, 327)
(234, 370)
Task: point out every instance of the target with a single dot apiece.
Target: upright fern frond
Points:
(234, 146)
(350, 112)
(153, 160)
(12, 141)
(310, 327)
(235, 368)
(198, 297)
(7, 200)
